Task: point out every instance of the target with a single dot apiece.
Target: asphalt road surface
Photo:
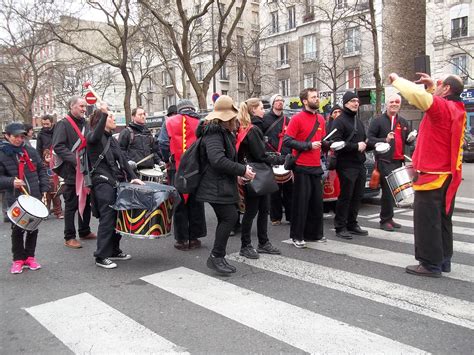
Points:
(335, 297)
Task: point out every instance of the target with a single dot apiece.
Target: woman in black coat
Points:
(251, 148)
(219, 181)
(110, 170)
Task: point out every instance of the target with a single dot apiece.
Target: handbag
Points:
(374, 182)
(264, 182)
(290, 159)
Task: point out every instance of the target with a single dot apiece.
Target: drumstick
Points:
(145, 159)
(24, 191)
(407, 157)
(330, 134)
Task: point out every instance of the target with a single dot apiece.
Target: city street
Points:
(334, 297)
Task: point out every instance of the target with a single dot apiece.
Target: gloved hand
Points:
(132, 164)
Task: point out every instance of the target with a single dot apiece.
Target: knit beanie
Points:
(334, 108)
(273, 98)
(348, 96)
(185, 104)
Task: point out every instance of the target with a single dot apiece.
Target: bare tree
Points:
(179, 33)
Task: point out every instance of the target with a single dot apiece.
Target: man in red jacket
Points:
(438, 161)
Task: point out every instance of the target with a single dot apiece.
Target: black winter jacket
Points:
(219, 157)
(378, 130)
(252, 148)
(37, 182)
(44, 140)
(64, 139)
(141, 145)
(273, 134)
(114, 167)
(349, 156)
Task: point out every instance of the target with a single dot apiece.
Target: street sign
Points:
(90, 98)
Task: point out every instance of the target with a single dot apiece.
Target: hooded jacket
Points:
(140, 146)
(44, 140)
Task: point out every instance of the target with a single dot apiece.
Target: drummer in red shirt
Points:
(307, 202)
(392, 129)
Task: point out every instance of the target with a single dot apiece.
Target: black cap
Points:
(334, 108)
(172, 110)
(348, 96)
(15, 128)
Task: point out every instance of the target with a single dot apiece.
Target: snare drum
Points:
(281, 174)
(155, 175)
(338, 145)
(27, 212)
(400, 182)
(382, 148)
(145, 211)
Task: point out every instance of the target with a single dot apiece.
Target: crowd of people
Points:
(233, 141)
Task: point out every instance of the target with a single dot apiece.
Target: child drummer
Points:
(21, 171)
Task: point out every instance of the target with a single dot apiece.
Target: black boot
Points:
(218, 264)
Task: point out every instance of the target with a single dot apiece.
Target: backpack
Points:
(189, 173)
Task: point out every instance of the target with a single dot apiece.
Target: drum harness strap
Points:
(280, 135)
(24, 159)
(97, 162)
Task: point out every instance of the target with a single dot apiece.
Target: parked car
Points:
(468, 148)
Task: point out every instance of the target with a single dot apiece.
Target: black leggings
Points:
(254, 205)
(226, 218)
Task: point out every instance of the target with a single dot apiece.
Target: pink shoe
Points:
(32, 264)
(17, 267)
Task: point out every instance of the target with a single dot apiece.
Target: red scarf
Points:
(24, 160)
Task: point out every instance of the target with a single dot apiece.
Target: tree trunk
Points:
(128, 93)
(378, 80)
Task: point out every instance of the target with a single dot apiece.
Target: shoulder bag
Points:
(290, 159)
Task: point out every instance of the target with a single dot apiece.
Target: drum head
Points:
(338, 145)
(33, 206)
(382, 148)
(150, 172)
(280, 170)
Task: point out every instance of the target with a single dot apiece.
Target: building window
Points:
(309, 47)
(459, 27)
(196, 12)
(224, 75)
(460, 65)
(241, 22)
(199, 73)
(284, 87)
(341, 4)
(240, 43)
(225, 92)
(353, 78)
(310, 80)
(199, 43)
(283, 54)
(166, 78)
(274, 16)
(240, 72)
(291, 17)
(352, 40)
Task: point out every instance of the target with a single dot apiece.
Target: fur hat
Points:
(348, 96)
(185, 104)
(224, 109)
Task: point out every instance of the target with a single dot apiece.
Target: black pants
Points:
(70, 208)
(279, 199)
(433, 227)
(226, 219)
(254, 205)
(189, 220)
(108, 240)
(387, 202)
(22, 249)
(352, 181)
(307, 211)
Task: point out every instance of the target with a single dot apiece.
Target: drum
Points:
(155, 175)
(331, 187)
(400, 182)
(145, 211)
(281, 174)
(27, 212)
(338, 145)
(382, 148)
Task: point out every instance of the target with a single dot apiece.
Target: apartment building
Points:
(326, 44)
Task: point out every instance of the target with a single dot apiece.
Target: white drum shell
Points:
(400, 182)
(338, 145)
(27, 212)
(155, 175)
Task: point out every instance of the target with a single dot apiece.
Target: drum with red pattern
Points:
(331, 187)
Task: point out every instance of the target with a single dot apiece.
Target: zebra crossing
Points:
(250, 305)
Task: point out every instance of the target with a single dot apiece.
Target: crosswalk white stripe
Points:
(378, 214)
(445, 308)
(456, 229)
(461, 247)
(465, 199)
(293, 325)
(454, 218)
(381, 256)
(86, 325)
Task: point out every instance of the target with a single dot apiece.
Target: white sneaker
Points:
(106, 263)
(299, 243)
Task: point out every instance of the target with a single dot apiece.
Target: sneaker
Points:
(268, 248)
(299, 243)
(321, 240)
(32, 264)
(121, 256)
(276, 223)
(249, 252)
(106, 263)
(387, 226)
(17, 267)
